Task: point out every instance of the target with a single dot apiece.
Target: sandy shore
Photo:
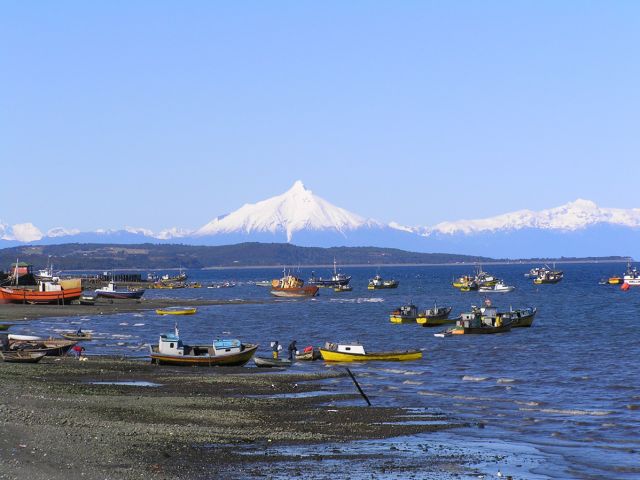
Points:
(196, 423)
(10, 312)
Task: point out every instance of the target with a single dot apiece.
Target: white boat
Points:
(26, 338)
(632, 276)
(499, 287)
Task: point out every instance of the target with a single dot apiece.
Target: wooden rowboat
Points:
(266, 362)
(337, 352)
(78, 337)
(22, 356)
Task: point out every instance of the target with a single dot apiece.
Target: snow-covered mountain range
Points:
(579, 228)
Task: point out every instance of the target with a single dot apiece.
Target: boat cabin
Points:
(352, 348)
(170, 344)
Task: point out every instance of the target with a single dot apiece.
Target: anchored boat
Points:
(176, 311)
(222, 352)
(632, 276)
(377, 283)
(354, 352)
(548, 276)
(292, 287)
(337, 279)
(484, 320)
(404, 314)
(434, 316)
(499, 287)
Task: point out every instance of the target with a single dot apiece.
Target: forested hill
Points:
(76, 256)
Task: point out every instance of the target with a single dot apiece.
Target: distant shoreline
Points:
(363, 265)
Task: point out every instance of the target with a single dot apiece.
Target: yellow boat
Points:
(404, 314)
(176, 311)
(338, 352)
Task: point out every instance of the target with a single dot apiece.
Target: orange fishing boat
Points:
(63, 291)
(292, 287)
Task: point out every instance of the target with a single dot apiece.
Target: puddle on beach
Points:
(126, 383)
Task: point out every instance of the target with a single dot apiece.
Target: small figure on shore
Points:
(275, 347)
(292, 350)
(78, 350)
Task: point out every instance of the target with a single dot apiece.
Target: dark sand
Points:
(199, 423)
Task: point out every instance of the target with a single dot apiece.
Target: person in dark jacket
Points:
(292, 350)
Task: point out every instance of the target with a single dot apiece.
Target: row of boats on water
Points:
(481, 320)
(293, 287)
(481, 281)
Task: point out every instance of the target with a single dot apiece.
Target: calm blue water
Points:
(569, 386)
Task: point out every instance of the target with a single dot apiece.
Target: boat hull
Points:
(265, 362)
(333, 356)
(434, 321)
(23, 295)
(230, 360)
(402, 318)
(296, 292)
(480, 330)
(51, 348)
(184, 311)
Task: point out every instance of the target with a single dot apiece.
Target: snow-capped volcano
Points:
(295, 210)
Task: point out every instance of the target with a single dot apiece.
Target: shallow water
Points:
(567, 387)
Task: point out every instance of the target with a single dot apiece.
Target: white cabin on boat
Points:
(170, 344)
(353, 348)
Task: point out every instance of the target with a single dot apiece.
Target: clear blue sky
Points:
(167, 113)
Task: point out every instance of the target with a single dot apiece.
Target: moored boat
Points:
(404, 314)
(355, 352)
(336, 280)
(292, 287)
(343, 288)
(176, 311)
(270, 362)
(111, 291)
(520, 317)
(221, 352)
(615, 280)
(631, 276)
(78, 336)
(498, 287)
(548, 276)
(378, 283)
(484, 320)
(434, 316)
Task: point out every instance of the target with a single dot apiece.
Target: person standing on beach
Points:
(292, 350)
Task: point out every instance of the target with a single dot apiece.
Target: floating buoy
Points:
(624, 287)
